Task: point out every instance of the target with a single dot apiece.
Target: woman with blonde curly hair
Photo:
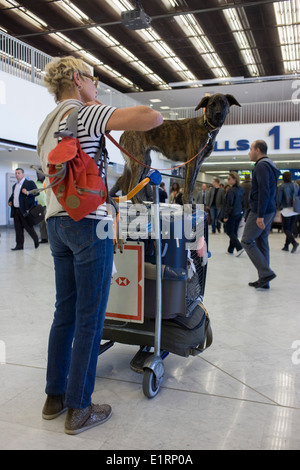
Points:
(82, 261)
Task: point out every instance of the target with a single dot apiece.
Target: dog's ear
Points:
(231, 100)
(203, 103)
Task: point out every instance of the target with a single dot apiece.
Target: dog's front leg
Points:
(191, 174)
(138, 173)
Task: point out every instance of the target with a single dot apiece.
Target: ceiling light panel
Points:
(120, 5)
(110, 41)
(195, 34)
(238, 23)
(71, 9)
(160, 48)
(288, 24)
(24, 13)
(127, 56)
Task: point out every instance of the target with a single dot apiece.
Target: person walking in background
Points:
(162, 192)
(234, 208)
(202, 195)
(41, 199)
(285, 194)
(20, 202)
(178, 199)
(262, 203)
(174, 193)
(215, 201)
(296, 228)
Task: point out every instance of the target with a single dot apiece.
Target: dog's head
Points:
(217, 107)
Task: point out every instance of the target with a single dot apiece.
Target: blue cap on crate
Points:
(155, 177)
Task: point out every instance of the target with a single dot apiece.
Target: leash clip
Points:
(209, 137)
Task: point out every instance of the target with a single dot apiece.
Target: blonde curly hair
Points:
(59, 74)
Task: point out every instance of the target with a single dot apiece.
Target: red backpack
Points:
(74, 176)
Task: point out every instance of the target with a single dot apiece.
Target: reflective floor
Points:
(242, 393)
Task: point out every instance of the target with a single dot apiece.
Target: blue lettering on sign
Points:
(295, 143)
(226, 147)
(242, 145)
(275, 131)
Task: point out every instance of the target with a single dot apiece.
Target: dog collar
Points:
(210, 128)
(208, 125)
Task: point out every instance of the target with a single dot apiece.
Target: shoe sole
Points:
(73, 432)
(269, 279)
(239, 253)
(49, 417)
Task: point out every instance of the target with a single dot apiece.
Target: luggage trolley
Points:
(148, 332)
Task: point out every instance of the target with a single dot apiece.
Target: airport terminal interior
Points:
(243, 391)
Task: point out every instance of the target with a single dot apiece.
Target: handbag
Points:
(35, 215)
(187, 336)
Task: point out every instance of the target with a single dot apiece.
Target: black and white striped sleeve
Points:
(93, 119)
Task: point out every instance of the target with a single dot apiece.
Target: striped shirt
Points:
(92, 122)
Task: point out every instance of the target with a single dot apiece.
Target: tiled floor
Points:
(242, 393)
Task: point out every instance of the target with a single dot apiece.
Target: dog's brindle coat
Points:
(178, 141)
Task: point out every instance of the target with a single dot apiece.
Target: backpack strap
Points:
(71, 129)
(72, 122)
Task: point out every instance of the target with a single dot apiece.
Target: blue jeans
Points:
(215, 223)
(83, 268)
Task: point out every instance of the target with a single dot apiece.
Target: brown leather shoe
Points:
(54, 406)
(79, 420)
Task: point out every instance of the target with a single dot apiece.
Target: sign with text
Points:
(283, 138)
(126, 297)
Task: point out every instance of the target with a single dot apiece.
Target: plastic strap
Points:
(72, 122)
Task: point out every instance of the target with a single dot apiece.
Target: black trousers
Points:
(287, 225)
(20, 223)
(231, 229)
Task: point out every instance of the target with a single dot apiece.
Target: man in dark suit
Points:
(20, 201)
(201, 196)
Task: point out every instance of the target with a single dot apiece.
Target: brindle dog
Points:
(178, 141)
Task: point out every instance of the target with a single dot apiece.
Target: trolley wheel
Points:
(150, 384)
